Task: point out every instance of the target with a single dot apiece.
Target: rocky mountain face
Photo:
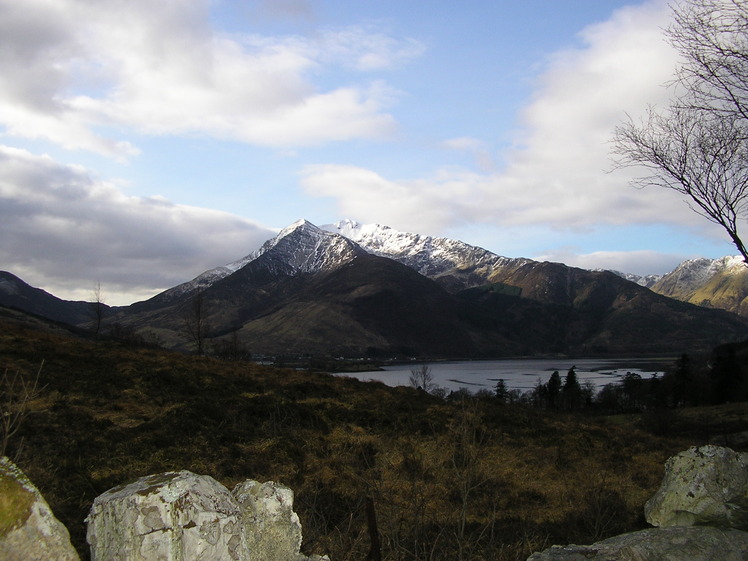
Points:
(712, 283)
(453, 264)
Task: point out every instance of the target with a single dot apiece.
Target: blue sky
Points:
(142, 143)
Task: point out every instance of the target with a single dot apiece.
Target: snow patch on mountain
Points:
(434, 257)
(302, 247)
(647, 281)
(694, 273)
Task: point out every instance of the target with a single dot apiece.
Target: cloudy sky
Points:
(144, 142)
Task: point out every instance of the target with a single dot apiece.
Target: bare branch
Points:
(699, 145)
(16, 394)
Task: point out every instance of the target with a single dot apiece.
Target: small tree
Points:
(502, 392)
(196, 323)
(422, 378)
(98, 308)
(571, 391)
(16, 393)
(553, 389)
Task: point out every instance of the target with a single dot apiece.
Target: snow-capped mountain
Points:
(300, 247)
(691, 275)
(303, 247)
(452, 263)
(713, 283)
(311, 291)
(647, 281)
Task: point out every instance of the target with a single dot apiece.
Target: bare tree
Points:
(712, 38)
(698, 146)
(98, 308)
(422, 378)
(16, 393)
(195, 322)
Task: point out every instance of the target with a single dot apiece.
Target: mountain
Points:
(453, 264)
(380, 292)
(15, 293)
(309, 291)
(713, 283)
(647, 281)
(299, 248)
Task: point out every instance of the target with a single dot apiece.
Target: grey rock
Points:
(698, 543)
(181, 516)
(175, 516)
(28, 529)
(272, 527)
(705, 486)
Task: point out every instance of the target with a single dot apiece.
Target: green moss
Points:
(15, 502)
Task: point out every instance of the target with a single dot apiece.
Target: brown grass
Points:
(461, 479)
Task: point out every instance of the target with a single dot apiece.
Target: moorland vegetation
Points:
(458, 476)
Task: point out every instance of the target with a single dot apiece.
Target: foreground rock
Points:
(658, 544)
(273, 529)
(28, 529)
(181, 516)
(705, 486)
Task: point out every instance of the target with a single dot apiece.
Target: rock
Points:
(28, 529)
(180, 516)
(705, 486)
(699, 543)
(175, 516)
(272, 527)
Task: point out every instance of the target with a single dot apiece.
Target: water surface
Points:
(521, 374)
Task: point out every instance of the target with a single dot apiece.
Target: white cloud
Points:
(65, 230)
(366, 49)
(556, 173)
(643, 262)
(71, 69)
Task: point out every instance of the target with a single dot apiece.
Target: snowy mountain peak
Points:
(694, 273)
(301, 224)
(303, 247)
(300, 247)
(453, 263)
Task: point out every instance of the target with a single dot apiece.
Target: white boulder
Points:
(175, 516)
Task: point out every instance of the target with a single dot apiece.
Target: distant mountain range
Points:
(350, 289)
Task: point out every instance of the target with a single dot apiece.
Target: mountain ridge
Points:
(314, 291)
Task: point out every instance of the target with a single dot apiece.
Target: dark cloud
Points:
(65, 230)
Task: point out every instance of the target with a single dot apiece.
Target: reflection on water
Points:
(521, 374)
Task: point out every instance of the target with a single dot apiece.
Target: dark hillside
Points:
(15, 293)
(466, 475)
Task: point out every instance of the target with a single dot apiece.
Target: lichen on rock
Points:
(173, 516)
(706, 486)
(28, 529)
(272, 527)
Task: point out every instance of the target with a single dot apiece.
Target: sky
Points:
(142, 143)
